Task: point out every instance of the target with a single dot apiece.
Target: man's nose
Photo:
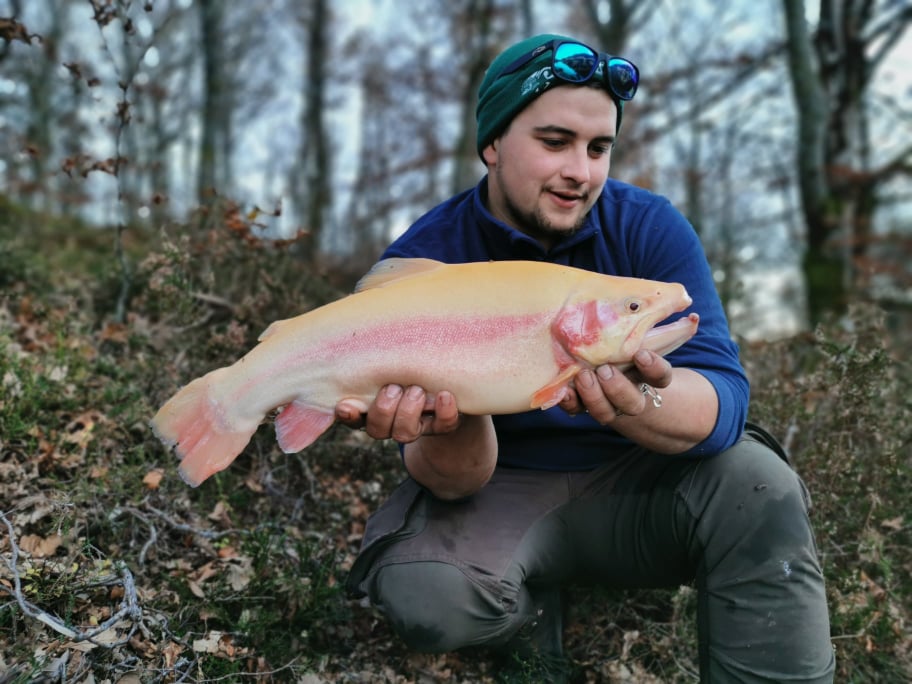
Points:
(576, 165)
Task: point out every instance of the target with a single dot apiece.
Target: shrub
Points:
(838, 400)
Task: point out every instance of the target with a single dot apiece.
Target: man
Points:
(644, 478)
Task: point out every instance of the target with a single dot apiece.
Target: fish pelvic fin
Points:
(195, 427)
(552, 393)
(299, 425)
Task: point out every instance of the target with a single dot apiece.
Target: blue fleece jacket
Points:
(629, 232)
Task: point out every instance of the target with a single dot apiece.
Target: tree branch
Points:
(894, 32)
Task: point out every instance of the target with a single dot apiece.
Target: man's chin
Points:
(551, 235)
(560, 227)
(550, 228)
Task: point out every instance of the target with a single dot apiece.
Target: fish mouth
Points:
(664, 339)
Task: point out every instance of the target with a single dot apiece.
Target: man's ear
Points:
(489, 154)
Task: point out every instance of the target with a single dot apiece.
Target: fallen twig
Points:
(173, 524)
(129, 606)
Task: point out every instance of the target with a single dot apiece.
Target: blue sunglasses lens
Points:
(623, 78)
(574, 62)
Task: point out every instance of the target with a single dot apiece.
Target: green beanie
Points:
(501, 99)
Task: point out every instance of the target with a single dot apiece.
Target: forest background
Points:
(176, 175)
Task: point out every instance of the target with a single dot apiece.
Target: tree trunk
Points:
(823, 270)
(313, 192)
(467, 167)
(839, 189)
(214, 102)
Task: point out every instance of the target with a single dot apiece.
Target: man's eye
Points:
(552, 142)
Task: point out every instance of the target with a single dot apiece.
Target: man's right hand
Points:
(460, 456)
(402, 414)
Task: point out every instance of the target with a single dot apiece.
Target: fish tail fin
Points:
(195, 426)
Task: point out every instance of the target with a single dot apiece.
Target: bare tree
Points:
(215, 115)
(613, 30)
(33, 61)
(478, 35)
(311, 175)
(370, 208)
(418, 111)
(831, 71)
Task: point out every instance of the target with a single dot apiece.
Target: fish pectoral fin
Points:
(299, 425)
(395, 268)
(551, 394)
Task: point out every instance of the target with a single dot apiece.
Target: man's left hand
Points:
(609, 395)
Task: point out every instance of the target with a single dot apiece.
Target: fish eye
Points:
(632, 305)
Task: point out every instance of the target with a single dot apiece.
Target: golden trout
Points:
(502, 336)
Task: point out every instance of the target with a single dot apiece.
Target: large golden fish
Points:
(502, 336)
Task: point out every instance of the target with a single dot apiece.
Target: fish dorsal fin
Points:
(395, 269)
(271, 330)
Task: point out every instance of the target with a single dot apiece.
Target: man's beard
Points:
(536, 225)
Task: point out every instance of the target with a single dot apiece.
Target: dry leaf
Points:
(226, 645)
(208, 644)
(875, 591)
(106, 638)
(130, 678)
(11, 384)
(40, 547)
(206, 571)
(115, 332)
(80, 429)
(219, 514)
(239, 575)
(172, 652)
(57, 373)
(895, 524)
(153, 478)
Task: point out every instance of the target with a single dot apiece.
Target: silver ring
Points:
(652, 393)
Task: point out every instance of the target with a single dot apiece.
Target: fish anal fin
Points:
(299, 425)
(552, 393)
(395, 268)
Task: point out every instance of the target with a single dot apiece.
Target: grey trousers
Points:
(467, 573)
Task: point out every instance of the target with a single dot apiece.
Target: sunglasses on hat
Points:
(577, 63)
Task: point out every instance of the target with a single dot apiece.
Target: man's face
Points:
(547, 169)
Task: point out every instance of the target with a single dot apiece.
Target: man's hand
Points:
(609, 395)
(461, 453)
(403, 414)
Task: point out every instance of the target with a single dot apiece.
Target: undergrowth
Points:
(243, 576)
(838, 400)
